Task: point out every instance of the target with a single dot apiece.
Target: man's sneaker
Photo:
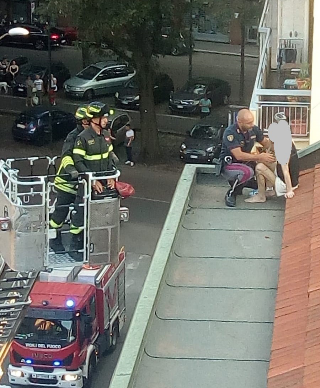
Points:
(230, 199)
(131, 164)
(127, 162)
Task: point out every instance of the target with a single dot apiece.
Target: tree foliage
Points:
(132, 29)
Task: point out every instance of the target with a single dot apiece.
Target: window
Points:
(120, 71)
(106, 74)
(124, 120)
(92, 307)
(116, 125)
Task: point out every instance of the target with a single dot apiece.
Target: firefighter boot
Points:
(56, 243)
(75, 246)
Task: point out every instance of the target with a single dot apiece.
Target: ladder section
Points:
(15, 287)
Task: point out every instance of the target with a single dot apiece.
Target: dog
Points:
(4, 86)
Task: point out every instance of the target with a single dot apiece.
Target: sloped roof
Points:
(295, 352)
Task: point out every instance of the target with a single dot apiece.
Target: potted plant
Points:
(303, 79)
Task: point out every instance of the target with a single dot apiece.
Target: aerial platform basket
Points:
(27, 198)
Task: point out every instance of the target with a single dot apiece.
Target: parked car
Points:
(128, 96)
(37, 37)
(97, 79)
(57, 68)
(175, 42)
(187, 99)
(117, 122)
(203, 142)
(33, 125)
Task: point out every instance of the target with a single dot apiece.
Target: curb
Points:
(225, 53)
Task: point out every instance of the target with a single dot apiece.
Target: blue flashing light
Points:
(28, 361)
(57, 363)
(70, 303)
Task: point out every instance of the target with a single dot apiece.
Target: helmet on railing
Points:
(280, 116)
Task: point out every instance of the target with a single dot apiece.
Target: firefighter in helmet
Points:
(66, 183)
(92, 152)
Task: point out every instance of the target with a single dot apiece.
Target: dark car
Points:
(33, 125)
(187, 99)
(203, 142)
(128, 96)
(175, 42)
(58, 69)
(37, 37)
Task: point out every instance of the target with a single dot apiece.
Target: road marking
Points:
(151, 200)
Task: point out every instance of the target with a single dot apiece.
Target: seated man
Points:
(284, 176)
(237, 161)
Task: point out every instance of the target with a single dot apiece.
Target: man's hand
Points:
(266, 158)
(289, 194)
(97, 186)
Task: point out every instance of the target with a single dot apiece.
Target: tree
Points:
(132, 29)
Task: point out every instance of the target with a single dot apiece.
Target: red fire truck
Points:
(76, 308)
(74, 318)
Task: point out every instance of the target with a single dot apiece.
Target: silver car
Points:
(98, 79)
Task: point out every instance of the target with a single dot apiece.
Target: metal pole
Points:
(190, 41)
(49, 81)
(241, 89)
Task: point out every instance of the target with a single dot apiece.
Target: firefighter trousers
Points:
(64, 200)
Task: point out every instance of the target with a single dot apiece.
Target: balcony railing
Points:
(266, 102)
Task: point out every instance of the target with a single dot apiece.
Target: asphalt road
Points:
(154, 188)
(204, 64)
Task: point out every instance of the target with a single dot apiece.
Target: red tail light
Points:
(54, 36)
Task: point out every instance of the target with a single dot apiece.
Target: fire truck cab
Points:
(69, 326)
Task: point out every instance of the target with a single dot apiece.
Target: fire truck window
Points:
(82, 325)
(93, 307)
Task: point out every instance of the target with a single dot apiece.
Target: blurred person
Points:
(30, 92)
(38, 83)
(128, 145)
(284, 177)
(53, 90)
(205, 106)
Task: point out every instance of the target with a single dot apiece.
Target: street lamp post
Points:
(190, 41)
(49, 82)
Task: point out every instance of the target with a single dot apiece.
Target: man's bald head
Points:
(245, 120)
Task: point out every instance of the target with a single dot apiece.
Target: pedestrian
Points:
(13, 70)
(3, 69)
(128, 144)
(30, 86)
(38, 83)
(91, 153)
(238, 163)
(205, 106)
(66, 188)
(53, 90)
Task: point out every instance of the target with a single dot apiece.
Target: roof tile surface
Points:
(295, 352)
